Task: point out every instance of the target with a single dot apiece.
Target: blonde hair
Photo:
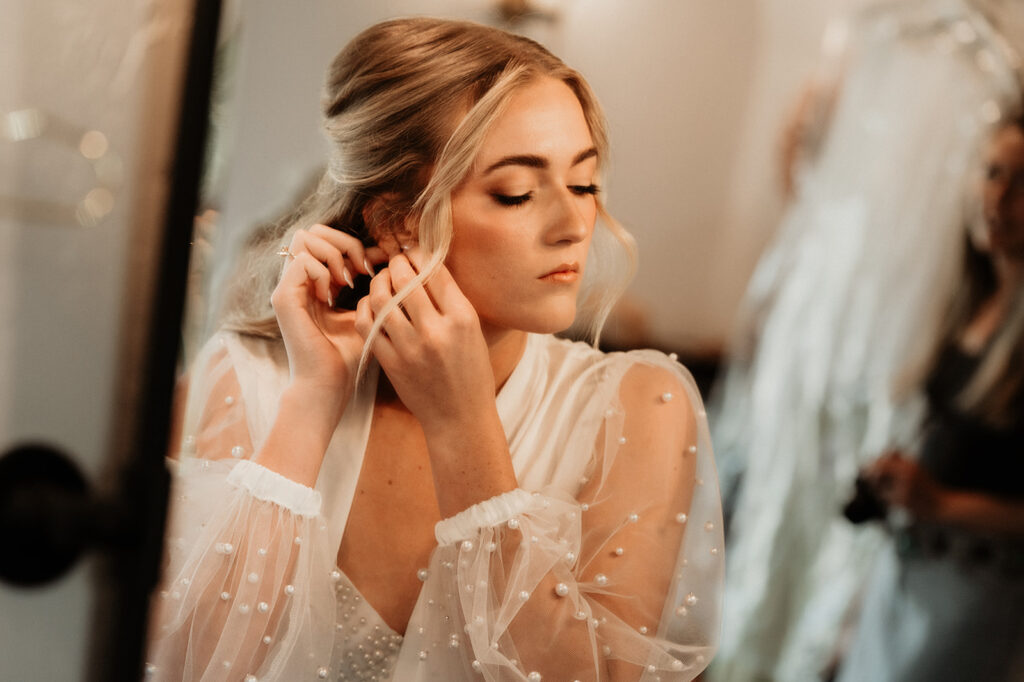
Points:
(392, 105)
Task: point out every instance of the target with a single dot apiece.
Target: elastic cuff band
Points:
(270, 486)
(469, 521)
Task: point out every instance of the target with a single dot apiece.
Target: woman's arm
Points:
(903, 482)
(618, 583)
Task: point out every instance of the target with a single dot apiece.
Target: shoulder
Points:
(637, 379)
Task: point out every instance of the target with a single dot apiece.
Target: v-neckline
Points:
(343, 461)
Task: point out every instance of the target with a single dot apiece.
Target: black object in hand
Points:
(865, 505)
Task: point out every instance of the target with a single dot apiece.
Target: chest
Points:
(389, 535)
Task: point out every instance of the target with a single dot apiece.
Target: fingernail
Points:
(369, 267)
(330, 300)
(405, 247)
(348, 279)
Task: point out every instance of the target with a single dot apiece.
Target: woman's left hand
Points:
(432, 348)
(901, 482)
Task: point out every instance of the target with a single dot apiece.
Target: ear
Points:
(390, 226)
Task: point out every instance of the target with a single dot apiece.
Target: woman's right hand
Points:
(322, 344)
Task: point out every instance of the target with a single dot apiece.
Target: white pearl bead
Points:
(619, 551)
(691, 599)
(570, 557)
(585, 507)
(714, 551)
(229, 400)
(491, 546)
(224, 596)
(150, 668)
(606, 650)
(322, 673)
(250, 678)
(267, 640)
(692, 448)
(681, 611)
(476, 665)
(581, 615)
(289, 589)
(601, 579)
(513, 523)
(524, 595)
(678, 665)
(643, 629)
(263, 607)
(335, 575)
(423, 655)
(243, 609)
(561, 589)
(298, 540)
(237, 451)
(422, 574)
(622, 440)
(633, 518)
(262, 551)
(674, 357)
(681, 518)
(652, 668)
(254, 578)
(666, 397)
(709, 526)
(533, 677)
(467, 546)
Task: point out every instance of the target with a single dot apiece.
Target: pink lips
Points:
(566, 273)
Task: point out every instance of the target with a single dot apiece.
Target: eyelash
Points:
(520, 199)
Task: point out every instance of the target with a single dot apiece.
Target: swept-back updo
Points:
(406, 106)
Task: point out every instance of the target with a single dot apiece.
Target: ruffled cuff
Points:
(491, 512)
(270, 486)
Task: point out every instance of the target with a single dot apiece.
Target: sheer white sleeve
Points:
(620, 581)
(247, 591)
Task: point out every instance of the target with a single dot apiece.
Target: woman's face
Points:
(1003, 193)
(525, 213)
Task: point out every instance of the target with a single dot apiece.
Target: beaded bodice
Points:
(365, 647)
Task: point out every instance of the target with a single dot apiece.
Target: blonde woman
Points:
(432, 486)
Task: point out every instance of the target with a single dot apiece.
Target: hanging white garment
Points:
(843, 306)
(605, 562)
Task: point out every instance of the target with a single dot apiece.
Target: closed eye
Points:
(512, 199)
(583, 190)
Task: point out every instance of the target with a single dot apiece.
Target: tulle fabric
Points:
(605, 563)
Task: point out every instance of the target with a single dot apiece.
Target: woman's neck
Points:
(506, 347)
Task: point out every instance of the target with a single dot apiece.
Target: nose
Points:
(567, 223)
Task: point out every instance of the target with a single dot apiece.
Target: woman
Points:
(947, 598)
(495, 503)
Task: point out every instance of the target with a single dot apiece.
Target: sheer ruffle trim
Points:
(467, 523)
(270, 486)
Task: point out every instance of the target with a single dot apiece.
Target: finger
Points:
(325, 252)
(396, 325)
(353, 249)
(315, 273)
(417, 303)
(444, 290)
(381, 348)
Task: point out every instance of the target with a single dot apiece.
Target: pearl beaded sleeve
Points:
(615, 582)
(244, 587)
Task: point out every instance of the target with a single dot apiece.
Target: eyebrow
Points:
(534, 161)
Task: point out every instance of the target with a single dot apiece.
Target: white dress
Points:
(842, 313)
(605, 562)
